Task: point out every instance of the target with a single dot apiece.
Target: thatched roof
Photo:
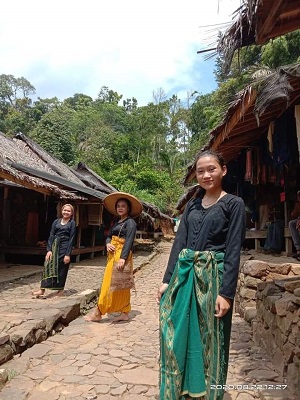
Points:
(256, 22)
(250, 114)
(91, 179)
(23, 162)
(42, 160)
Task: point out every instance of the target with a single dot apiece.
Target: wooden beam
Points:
(23, 183)
(266, 24)
(285, 27)
(291, 10)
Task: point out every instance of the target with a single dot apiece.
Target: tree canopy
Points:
(140, 149)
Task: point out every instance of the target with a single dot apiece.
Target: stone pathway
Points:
(108, 361)
(17, 282)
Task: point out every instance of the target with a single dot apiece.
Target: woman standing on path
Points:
(119, 248)
(199, 286)
(59, 249)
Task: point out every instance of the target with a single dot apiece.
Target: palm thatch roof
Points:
(91, 179)
(249, 116)
(256, 22)
(42, 160)
(25, 163)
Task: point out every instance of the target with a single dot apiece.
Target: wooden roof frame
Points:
(243, 125)
(276, 18)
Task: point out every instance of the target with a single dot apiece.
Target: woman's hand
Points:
(222, 306)
(48, 255)
(161, 290)
(110, 247)
(67, 259)
(120, 265)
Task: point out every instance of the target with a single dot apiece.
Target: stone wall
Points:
(277, 327)
(251, 274)
(268, 297)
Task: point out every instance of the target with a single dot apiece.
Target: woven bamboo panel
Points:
(95, 214)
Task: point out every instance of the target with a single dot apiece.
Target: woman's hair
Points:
(72, 209)
(220, 160)
(210, 153)
(126, 201)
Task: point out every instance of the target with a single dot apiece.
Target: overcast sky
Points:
(134, 47)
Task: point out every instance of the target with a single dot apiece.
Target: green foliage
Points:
(15, 104)
(282, 50)
(12, 88)
(78, 101)
(141, 150)
(11, 373)
(107, 95)
(275, 53)
(54, 133)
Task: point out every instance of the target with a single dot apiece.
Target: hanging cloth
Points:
(270, 136)
(297, 117)
(249, 166)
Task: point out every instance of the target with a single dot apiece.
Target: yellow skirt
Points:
(117, 301)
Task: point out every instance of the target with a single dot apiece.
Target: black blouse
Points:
(127, 230)
(220, 227)
(66, 233)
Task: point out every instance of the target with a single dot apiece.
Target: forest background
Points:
(143, 150)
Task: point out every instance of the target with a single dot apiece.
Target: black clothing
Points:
(275, 236)
(57, 283)
(220, 227)
(66, 234)
(125, 229)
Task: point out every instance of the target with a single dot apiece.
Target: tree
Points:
(107, 95)
(15, 104)
(54, 133)
(78, 101)
(11, 88)
(282, 50)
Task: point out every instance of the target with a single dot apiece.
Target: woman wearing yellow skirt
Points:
(119, 244)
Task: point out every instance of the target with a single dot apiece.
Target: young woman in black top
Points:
(198, 287)
(119, 245)
(59, 249)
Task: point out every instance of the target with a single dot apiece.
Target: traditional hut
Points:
(256, 22)
(151, 223)
(33, 187)
(259, 138)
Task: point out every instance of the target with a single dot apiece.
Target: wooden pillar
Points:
(92, 255)
(6, 216)
(5, 229)
(286, 217)
(78, 242)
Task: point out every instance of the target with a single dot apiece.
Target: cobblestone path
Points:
(108, 361)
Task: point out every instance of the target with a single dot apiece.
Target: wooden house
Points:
(151, 223)
(259, 138)
(258, 21)
(33, 187)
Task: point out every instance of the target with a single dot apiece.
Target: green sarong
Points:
(51, 266)
(194, 344)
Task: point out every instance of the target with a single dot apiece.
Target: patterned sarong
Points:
(51, 266)
(194, 344)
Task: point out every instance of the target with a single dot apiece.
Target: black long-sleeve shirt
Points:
(220, 227)
(125, 229)
(66, 233)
